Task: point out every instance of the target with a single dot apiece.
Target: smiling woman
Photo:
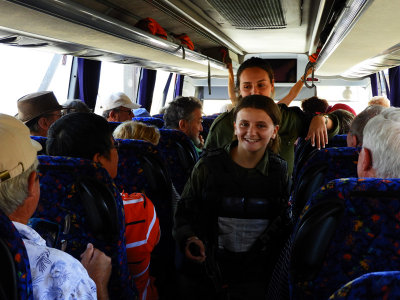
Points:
(232, 197)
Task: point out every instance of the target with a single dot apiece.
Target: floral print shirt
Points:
(55, 274)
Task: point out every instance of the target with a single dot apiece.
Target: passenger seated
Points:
(38, 111)
(234, 198)
(355, 133)
(341, 106)
(140, 131)
(55, 274)
(314, 105)
(379, 100)
(118, 107)
(185, 114)
(379, 156)
(76, 105)
(90, 136)
(344, 118)
(137, 131)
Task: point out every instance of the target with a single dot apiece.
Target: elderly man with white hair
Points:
(379, 156)
(55, 274)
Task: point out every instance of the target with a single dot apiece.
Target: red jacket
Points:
(142, 234)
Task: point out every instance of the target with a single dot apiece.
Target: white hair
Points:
(14, 191)
(382, 138)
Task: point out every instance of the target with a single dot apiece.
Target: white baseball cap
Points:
(18, 151)
(116, 100)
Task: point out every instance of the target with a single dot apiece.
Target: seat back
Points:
(159, 116)
(81, 197)
(15, 275)
(150, 121)
(303, 149)
(207, 122)
(321, 167)
(339, 140)
(347, 229)
(42, 141)
(179, 154)
(378, 285)
(141, 170)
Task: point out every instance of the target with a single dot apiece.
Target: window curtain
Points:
(374, 84)
(178, 85)
(394, 83)
(146, 88)
(88, 81)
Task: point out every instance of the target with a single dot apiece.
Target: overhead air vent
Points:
(251, 14)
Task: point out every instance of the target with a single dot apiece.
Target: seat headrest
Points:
(312, 238)
(100, 207)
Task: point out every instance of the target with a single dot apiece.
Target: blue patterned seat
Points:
(207, 122)
(378, 285)
(179, 154)
(141, 170)
(339, 140)
(321, 167)
(71, 191)
(114, 125)
(347, 229)
(160, 116)
(303, 149)
(42, 141)
(150, 121)
(15, 275)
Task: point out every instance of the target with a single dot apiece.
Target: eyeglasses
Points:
(127, 111)
(55, 115)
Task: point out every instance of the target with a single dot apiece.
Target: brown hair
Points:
(137, 131)
(270, 107)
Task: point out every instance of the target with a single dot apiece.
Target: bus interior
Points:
(44, 44)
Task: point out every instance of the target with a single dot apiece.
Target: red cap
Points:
(341, 106)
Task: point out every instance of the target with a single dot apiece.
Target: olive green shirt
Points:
(294, 124)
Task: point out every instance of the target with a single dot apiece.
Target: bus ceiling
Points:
(357, 37)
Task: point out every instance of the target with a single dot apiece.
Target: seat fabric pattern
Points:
(179, 154)
(207, 122)
(378, 285)
(332, 163)
(59, 197)
(9, 234)
(159, 123)
(339, 140)
(366, 240)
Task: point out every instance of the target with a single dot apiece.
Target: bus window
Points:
(117, 78)
(159, 87)
(355, 96)
(211, 107)
(26, 70)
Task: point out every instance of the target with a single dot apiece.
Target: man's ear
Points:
(97, 158)
(31, 183)
(112, 115)
(366, 163)
(182, 125)
(44, 123)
